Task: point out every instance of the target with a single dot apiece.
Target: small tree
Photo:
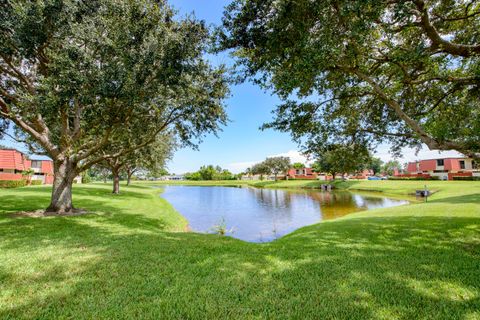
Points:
(27, 175)
(151, 157)
(298, 165)
(277, 165)
(342, 159)
(376, 165)
(210, 172)
(260, 168)
(100, 172)
(390, 166)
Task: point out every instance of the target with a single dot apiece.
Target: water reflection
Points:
(264, 214)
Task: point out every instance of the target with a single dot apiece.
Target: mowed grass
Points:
(131, 259)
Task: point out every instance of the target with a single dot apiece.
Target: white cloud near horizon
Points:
(410, 154)
(294, 155)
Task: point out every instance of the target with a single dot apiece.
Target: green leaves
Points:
(372, 71)
(97, 70)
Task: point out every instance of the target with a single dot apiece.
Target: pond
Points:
(261, 215)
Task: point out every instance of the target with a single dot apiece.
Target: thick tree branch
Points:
(169, 120)
(437, 41)
(397, 108)
(19, 75)
(29, 144)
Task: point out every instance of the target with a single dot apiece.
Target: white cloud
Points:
(409, 154)
(294, 156)
(237, 167)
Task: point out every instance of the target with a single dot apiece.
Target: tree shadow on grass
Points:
(471, 198)
(409, 267)
(22, 199)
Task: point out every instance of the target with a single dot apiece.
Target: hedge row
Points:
(467, 178)
(414, 178)
(36, 182)
(12, 183)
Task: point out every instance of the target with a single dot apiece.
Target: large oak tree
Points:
(74, 75)
(403, 71)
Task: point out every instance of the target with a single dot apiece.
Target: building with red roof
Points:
(303, 173)
(13, 163)
(445, 168)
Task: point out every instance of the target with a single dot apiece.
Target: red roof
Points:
(13, 159)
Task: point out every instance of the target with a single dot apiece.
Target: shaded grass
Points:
(126, 260)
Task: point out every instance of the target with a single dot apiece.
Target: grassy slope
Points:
(125, 261)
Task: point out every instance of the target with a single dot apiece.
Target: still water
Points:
(260, 215)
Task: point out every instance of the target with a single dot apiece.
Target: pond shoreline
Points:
(266, 214)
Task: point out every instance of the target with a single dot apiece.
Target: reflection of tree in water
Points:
(331, 204)
(272, 198)
(282, 206)
(335, 204)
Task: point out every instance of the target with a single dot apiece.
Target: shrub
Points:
(86, 178)
(467, 178)
(12, 183)
(414, 178)
(36, 182)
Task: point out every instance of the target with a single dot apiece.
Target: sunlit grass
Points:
(130, 258)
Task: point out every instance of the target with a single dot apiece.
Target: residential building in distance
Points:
(14, 163)
(176, 177)
(444, 168)
(304, 173)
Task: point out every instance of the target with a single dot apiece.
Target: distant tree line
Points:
(270, 166)
(211, 172)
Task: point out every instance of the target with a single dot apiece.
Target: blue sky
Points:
(241, 143)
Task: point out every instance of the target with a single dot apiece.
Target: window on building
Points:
(462, 164)
(36, 164)
(475, 165)
(440, 162)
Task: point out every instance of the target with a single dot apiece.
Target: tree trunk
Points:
(116, 181)
(64, 174)
(129, 176)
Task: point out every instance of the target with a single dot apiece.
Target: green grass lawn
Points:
(132, 259)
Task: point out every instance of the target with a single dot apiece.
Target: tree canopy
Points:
(152, 157)
(402, 71)
(298, 165)
(342, 158)
(277, 165)
(390, 166)
(375, 164)
(211, 172)
(271, 165)
(75, 75)
(259, 168)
